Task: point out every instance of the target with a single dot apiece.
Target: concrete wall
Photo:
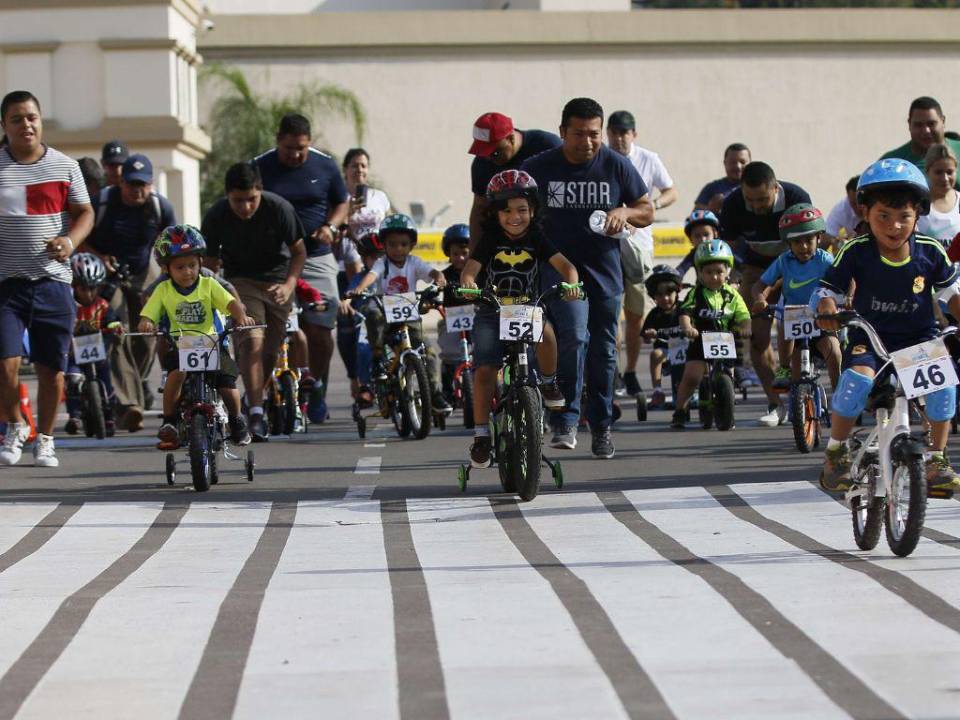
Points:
(231, 7)
(818, 94)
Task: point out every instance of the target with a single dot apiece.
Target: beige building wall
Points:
(817, 94)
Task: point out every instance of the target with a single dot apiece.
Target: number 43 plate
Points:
(924, 368)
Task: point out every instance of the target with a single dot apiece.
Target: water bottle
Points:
(598, 221)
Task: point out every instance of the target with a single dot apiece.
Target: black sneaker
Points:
(258, 429)
(602, 446)
(72, 427)
(630, 383)
(681, 416)
(238, 431)
(148, 397)
(480, 451)
(439, 403)
(377, 371)
(552, 397)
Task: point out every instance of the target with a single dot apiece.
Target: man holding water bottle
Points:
(577, 179)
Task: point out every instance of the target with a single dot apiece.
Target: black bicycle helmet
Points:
(659, 274)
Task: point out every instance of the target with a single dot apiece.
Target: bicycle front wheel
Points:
(723, 401)
(288, 398)
(803, 413)
(199, 453)
(93, 422)
(528, 440)
(415, 402)
(906, 506)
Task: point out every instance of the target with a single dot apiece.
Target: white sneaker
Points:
(44, 454)
(771, 418)
(782, 414)
(565, 439)
(12, 448)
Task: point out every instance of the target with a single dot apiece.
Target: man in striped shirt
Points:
(45, 213)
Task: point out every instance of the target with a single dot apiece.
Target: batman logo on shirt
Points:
(516, 260)
(190, 313)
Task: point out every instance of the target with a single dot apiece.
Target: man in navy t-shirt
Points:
(576, 179)
(498, 146)
(711, 197)
(310, 181)
(749, 222)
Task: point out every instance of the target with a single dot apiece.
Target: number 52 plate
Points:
(924, 368)
(521, 322)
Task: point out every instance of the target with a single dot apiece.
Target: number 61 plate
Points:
(197, 355)
(924, 368)
(521, 322)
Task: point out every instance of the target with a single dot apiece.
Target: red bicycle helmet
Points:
(511, 184)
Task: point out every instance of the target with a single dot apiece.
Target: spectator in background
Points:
(943, 220)
(498, 146)
(365, 202)
(128, 220)
(93, 176)
(843, 218)
(621, 134)
(112, 158)
(711, 197)
(310, 181)
(926, 123)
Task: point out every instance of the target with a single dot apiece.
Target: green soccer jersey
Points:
(714, 310)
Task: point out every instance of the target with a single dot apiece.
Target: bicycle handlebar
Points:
(488, 297)
(220, 335)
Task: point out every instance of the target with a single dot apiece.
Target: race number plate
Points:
(401, 307)
(293, 322)
(460, 318)
(677, 351)
(196, 353)
(718, 346)
(521, 322)
(88, 348)
(924, 368)
(798, 323)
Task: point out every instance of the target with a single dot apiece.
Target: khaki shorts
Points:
(634, 297)
(321, 273)
(262, 308)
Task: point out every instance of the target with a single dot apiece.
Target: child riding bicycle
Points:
(189, 300)
(896, 272)
(663, 285)
(510, 249)
(456, 246)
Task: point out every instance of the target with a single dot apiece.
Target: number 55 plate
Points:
(924, 368)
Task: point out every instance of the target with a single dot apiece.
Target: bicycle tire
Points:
(528, 442)
(903, 529)
(723, 401)
(416, 402)
(466, 397)
(93, 422)
(705, 406)
(503, 442)
(867, 518)
(288, 401)
(199, 451)
(803, 416)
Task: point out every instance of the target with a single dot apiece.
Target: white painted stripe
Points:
(674, 623)
(33, 589)
(324, 644)
(137, 652)
(804, 508)
(17, 519)
(360, 492)
(504, 636)
(374, 445)
(368, 465)
(905, 657)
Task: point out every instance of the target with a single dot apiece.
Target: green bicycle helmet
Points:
(801, 220)
(713, 251)
(398, 222)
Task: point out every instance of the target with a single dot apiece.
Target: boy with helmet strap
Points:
(896, 272)
(188, 299)
(663, 285)
(701, 226)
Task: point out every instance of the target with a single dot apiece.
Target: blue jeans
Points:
(591, 327)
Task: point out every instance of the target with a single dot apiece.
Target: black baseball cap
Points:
(623, 120)
(114, 152)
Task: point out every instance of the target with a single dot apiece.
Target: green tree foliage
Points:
(243, 124)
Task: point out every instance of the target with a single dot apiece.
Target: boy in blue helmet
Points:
(896, 274)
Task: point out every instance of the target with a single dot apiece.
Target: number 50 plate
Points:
(798, 322)
(924, 368)
(521, 322)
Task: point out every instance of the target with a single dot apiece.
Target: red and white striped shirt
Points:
(34, 202)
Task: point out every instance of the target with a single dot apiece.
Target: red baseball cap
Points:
(488, 130)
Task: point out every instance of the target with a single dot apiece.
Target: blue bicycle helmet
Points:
(713, 251)
(700, 217)
(178, 241)
(458, 234)
(894, 172)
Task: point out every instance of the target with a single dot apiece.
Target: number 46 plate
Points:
(924, 368)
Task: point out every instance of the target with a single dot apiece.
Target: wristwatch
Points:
(333, 230)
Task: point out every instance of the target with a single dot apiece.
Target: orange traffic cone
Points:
(27, 413)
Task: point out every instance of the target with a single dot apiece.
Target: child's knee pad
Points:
(940, 404)
(850, 397)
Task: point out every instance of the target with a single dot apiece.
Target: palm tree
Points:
(243, 124)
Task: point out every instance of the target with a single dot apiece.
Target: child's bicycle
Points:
(282, 406)
(888, 465)
(88, 350)
(403, 394)
(201, 418)
(459, 319)
(807, 404)
(516, 425)
(717, 393)
(676, 357)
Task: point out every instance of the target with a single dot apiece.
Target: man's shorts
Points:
(46, 309)
(634, 297)
(262, 308)
(224, 379)
(321, 273)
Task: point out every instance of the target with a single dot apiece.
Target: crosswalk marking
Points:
(746, 601)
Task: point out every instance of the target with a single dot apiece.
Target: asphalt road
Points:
(696, 575)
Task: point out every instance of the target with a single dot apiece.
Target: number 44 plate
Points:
(924, 368)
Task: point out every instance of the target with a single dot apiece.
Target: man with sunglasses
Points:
(498, 146)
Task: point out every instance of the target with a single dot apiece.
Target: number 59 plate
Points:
(521, 322)
(924, 368)
(401, 307)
